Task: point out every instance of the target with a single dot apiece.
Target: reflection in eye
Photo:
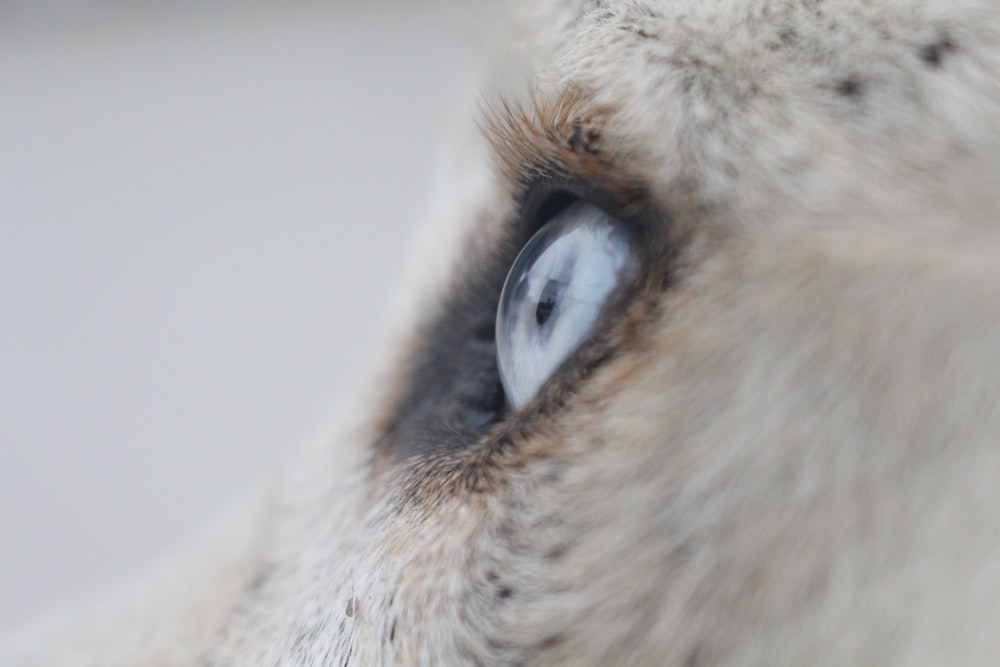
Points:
(553, 294)
(547, 302)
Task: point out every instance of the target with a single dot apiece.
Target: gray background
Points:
(202, 208)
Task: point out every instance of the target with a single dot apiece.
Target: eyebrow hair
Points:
(562, 136)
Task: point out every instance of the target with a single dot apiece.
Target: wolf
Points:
(699, 365)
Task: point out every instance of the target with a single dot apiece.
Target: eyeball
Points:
(553, 295)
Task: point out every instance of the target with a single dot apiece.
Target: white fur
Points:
(797, 465)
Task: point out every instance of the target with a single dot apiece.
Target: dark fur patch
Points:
(549, 643)
(583, 141)
(452, 386)
(933, 55)
(353, 607)
(557, 552)
(850, 87)
(641, 33)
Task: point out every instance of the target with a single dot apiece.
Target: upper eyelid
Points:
(546, 196)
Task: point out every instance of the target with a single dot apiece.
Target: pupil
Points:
(547, 302)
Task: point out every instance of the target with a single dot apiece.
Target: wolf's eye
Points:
(554, 293)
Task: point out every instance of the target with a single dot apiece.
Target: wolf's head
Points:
(711, 375)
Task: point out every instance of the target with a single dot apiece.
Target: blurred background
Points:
(202, 208)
